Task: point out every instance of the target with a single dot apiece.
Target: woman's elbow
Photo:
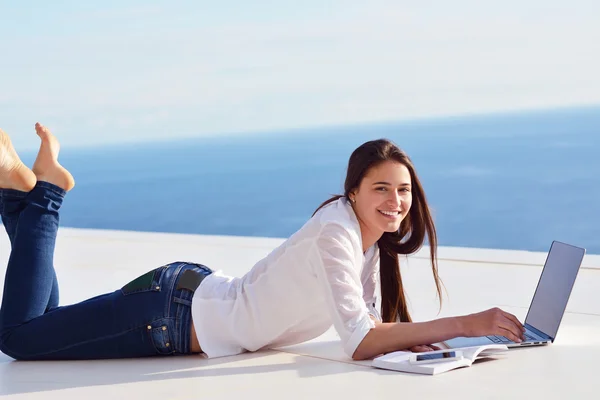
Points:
(366, 349)
(359, 356)
(370, 345)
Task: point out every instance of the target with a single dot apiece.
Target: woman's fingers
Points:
(516, 328)
(516, 321)
(511, 330)
(509, 335)
(421, 349)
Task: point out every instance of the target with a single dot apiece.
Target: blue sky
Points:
(109, 72)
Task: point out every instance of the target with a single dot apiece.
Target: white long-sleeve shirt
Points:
(316, 278)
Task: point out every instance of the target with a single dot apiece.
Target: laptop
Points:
(548, 304)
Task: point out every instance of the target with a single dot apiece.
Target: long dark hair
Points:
(408, 239)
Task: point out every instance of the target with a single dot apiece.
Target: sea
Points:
(504, 181)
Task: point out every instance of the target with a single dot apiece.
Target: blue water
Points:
(509, 181)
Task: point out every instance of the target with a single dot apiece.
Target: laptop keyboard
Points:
(502, 339)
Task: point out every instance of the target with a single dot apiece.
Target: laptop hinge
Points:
(538, 332)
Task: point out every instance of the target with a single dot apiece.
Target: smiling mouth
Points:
(390, 214)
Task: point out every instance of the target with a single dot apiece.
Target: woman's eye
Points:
(381, 189)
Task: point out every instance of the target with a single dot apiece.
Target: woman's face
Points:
(382, 200)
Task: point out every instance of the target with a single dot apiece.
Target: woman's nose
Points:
(395, 200)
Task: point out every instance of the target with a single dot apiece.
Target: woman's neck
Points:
(368, 237)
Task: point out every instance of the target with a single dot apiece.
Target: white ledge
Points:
(91, 262)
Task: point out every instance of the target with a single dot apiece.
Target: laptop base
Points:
(484, 340)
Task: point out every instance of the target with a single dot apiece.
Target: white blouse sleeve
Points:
(370, 278)
(341, 281)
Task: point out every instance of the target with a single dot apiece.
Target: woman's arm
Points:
(386, 337)
(389, 336)
(364, 337)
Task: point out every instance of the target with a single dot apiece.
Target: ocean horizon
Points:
(502, 181)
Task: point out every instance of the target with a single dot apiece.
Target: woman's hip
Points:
(166, 293)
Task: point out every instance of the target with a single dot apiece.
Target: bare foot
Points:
(13, 173)
(46, 166)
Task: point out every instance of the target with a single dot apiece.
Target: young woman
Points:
(325, 274)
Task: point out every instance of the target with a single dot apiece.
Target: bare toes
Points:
(41, 130)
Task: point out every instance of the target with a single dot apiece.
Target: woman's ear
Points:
(352, 197)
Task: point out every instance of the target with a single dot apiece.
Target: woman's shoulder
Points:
(337, 219)
(337, 212)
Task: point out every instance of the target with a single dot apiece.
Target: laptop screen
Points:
(554, 288)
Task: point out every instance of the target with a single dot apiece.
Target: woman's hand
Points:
(423, 348)
(494, 322)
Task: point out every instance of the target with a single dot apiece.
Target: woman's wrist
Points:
(462, 326)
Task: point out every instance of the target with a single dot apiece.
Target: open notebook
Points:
(399, 360)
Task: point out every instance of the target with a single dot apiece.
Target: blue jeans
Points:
(149, 316)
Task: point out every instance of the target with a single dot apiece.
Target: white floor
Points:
(93, 262)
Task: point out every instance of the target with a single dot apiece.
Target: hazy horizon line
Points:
(434, 118)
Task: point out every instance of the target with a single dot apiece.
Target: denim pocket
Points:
(161, 339)
(149, 282)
